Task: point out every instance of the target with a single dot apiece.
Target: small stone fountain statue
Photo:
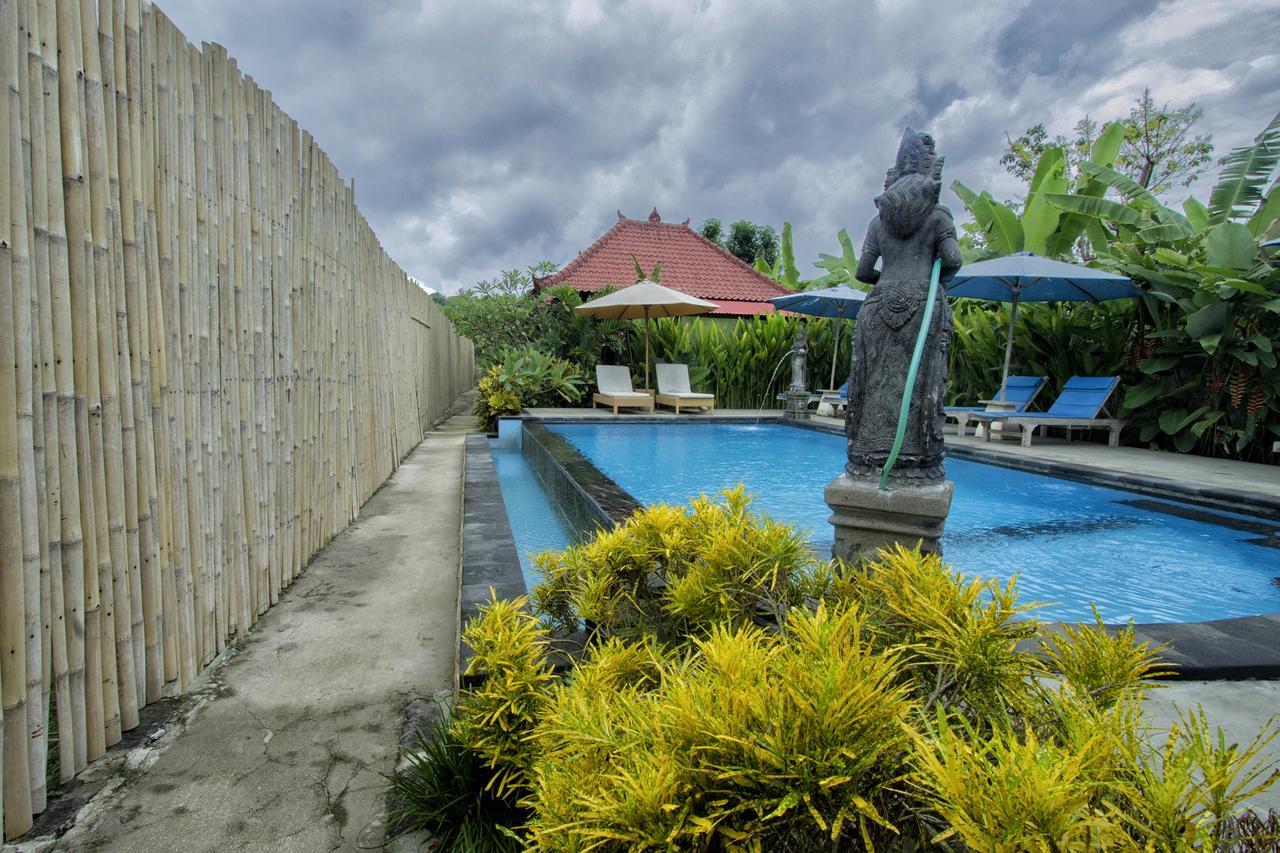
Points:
(798, 391)
(911, 231)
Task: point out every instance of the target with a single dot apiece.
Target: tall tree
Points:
(749, 241)
(1159, 151)
(713, 230)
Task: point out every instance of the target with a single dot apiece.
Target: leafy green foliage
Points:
(840, 270)
(496, 719)
(443, 787)
(525, 378)
(672, 572)
(891, 705)
(1155, 146)
(1198, 366)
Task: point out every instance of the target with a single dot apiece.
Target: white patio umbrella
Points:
(645, 299)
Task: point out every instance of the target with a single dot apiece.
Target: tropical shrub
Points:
(522, 379)
(890, 705)
(1200, 355)
(740, 363)
(673, 572)
(443, 787)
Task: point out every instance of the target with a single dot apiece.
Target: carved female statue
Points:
(911, 231)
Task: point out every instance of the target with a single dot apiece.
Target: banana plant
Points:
(1206, 378)
(842, 269)
(1045, 227)
(783, 270)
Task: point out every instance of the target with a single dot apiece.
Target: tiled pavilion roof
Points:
(691, 264)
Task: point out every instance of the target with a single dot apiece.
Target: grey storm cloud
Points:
(485, 136)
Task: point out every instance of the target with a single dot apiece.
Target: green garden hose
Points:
(905, 409)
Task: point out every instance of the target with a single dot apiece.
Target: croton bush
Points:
(526, 378)
(738, 693)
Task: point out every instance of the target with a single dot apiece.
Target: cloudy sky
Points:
(486, 135)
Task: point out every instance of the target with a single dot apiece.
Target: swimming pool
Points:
(536, 524)
(1147, 559)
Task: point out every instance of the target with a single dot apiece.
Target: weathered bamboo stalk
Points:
(16, 774)
(122, 467)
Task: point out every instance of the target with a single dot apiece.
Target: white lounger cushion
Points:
(614, 380)
(673, 381)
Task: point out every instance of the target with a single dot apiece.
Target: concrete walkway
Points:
(289, 752)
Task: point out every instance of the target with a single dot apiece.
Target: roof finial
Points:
(654, 217)
(620, 216)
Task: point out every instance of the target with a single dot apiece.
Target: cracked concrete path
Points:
(308, 713)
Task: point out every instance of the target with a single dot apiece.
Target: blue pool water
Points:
(1073, 544)
(535, 524)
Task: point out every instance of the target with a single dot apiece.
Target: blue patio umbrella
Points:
(1027, 277)
(841, 302)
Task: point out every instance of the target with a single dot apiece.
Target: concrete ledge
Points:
(1247, 647)
(489, 556)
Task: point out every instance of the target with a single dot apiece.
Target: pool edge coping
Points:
(1246, 647)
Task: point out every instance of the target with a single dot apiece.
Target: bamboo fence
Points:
(207, 364)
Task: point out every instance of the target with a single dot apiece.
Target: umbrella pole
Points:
(646, 347)
(1008, 346)
(835, 354)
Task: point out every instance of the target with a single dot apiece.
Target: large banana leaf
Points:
(1039, 219)
(1230, 246)
(1006, 234)
(1099, 208)
(1266, 214)
(1245, 172)
(1133, 191)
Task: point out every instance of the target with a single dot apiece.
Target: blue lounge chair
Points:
(1079, 406)
(1019, 392)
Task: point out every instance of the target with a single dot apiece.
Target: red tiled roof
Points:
(737, 308)
(691, 264)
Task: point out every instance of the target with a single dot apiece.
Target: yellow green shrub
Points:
(675, 572)
(739, 693)
(497, 717)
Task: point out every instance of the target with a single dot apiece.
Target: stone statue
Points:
(799, 360)
(911, 231)
(798, 391)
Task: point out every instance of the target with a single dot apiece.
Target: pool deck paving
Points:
(287, 749)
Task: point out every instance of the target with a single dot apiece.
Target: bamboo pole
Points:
(14, 68)
(13, 653)
(50, 276)
(128, 613)
(60, 144)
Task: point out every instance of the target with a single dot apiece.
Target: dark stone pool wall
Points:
(588, 499)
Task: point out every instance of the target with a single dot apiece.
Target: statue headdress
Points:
(916, 156)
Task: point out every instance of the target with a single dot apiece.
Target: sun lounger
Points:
(613, 388)
(1079, 406)
(1018, 394)
(673, 389)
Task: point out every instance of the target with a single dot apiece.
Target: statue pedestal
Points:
(867, 519)
(797, 405)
